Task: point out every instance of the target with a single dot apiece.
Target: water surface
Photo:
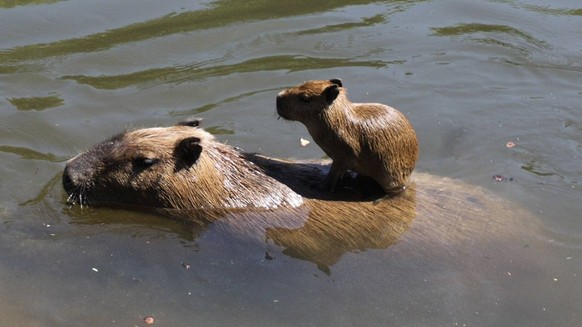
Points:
(471, 76)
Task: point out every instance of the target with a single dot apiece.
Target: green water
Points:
(470, 75)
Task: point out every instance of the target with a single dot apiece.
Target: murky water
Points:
(471, 76)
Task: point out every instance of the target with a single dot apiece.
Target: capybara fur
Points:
(179, 167)
(183, 171)
(371, 139)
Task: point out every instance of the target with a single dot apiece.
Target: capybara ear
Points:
(191, 121)
(331, 92)
(336, 81)
(188, 151)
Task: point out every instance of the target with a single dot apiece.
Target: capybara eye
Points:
(143, 162)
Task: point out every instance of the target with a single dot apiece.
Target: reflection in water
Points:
(469, 259)
(320, 232)
(530, 167)
(15, 3)
(210, 106)
(549, 10)
(36, 103)
(334, 229)
(136, 223)
(464, 29)
(176, 75)
(221, 13)
(29, 154)
(377, 19)
(49, 187)
(446, 214)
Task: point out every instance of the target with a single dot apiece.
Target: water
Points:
(470, 75)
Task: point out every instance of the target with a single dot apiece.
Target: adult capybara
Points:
(183, 171)
(179, 167)
(457, 246)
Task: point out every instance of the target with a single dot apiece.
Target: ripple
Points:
(222, 13)
(17, 3)
(210, 106)
(36, 103)
(554, 11)
(180, 74)
(29, 154)
(370, 21)
(473, 28)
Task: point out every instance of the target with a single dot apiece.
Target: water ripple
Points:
(180, 74)
(474, 28)
(222, 13)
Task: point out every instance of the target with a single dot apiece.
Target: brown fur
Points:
(261, 197)
(178, 167)
(369, 138)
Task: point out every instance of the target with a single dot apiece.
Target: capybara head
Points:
(178, 167)
(306, 101)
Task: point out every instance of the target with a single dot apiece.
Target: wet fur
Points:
(369, 138)
(184, 168)
(260, 198)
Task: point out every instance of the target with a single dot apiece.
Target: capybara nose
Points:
(68, 183)
(281, 107)
(279, 100)
(76, 173)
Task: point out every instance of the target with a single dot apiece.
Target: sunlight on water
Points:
(492, 88)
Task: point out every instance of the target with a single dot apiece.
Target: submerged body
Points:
(182, 171)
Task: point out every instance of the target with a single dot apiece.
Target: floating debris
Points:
(149, 320)
(501, 178)
(510, 144)
(268, 256)
(304, 142)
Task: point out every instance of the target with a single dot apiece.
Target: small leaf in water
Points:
(149, 320)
